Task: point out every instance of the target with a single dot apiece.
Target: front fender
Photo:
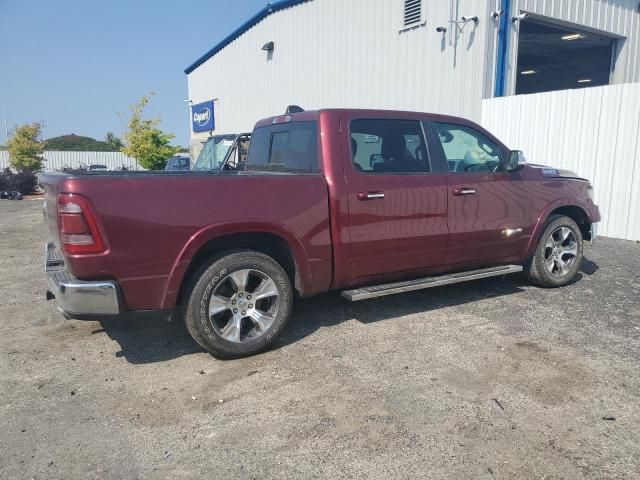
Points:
(211, 232)
(590, 210)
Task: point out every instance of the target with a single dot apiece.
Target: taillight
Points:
(78, 228)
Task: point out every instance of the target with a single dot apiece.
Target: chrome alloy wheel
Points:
(244, 305)
(561, 251)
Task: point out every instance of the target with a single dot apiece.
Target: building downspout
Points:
(503, 44)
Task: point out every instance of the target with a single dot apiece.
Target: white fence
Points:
(58, 160)
(594, 132)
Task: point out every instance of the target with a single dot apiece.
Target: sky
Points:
(77, 65)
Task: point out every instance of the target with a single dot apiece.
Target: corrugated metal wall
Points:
(350, 53)
(58, 160)
(337, 53)
(616, 17)
(594, 132)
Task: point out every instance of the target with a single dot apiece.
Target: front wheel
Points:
(558, 255)
(239, 304)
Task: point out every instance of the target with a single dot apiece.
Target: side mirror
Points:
(516, 160)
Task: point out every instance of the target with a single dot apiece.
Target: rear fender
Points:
(199, 239)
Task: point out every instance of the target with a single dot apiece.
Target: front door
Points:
(489, 208)
(397, 207)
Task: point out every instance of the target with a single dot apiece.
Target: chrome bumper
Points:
(79, 298)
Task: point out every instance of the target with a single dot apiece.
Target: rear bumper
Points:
(79, 298)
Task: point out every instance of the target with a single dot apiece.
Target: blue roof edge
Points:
(257, 18)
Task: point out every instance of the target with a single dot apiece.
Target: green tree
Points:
(77, 143)
(144, 141)
(26, 147)
(113, 142)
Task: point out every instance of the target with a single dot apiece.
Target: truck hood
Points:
(553, 172)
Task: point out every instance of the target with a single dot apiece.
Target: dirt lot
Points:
(491, 379)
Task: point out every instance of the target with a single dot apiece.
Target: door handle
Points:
(370, 195)
(463, 191)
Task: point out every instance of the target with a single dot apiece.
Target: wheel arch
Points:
(280, 245)
(578, 215)
(569, 209)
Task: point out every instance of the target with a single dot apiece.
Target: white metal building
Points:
(519, 67)
(442, 56)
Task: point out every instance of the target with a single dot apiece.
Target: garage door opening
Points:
(551, 57)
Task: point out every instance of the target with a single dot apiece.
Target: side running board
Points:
(428, 282)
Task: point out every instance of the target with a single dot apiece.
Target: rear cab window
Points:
(285, 148)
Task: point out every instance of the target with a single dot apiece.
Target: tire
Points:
(239, 304)
(558, 255)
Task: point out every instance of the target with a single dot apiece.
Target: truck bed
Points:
(154, 222)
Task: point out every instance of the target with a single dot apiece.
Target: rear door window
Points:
(388, 146)
(288, 148)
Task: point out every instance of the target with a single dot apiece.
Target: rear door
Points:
(489, 208)
(397, 206)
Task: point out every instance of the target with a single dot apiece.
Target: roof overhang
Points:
(257, 18)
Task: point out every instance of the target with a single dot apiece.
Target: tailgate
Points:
(50, 183)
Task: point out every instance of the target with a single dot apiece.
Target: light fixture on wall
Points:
(519, 18)
(585, 80)
(573, 36)
(528, 72)
(268, 47)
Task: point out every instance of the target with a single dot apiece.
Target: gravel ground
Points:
(490, 379)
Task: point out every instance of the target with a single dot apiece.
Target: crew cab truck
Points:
(368, 202)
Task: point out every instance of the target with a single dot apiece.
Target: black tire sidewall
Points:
(544, 277)
(197, 317)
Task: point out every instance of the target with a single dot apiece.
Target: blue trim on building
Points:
(257, 18)
(503, 45)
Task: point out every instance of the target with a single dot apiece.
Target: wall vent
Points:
(412, 12)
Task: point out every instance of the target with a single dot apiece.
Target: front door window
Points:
(467, 150)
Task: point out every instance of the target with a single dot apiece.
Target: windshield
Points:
(213, 152)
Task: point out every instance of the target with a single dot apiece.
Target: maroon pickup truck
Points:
(368, 202)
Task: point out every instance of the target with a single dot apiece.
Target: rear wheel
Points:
(239, 304)
(558, 255)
